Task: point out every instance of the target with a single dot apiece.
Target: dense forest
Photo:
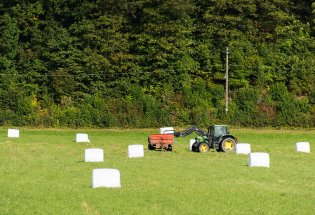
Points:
(150, 63)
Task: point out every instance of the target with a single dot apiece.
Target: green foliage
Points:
(156, 63)
(290, 111)
(244, 108)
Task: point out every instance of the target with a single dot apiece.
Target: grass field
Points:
(43, 172)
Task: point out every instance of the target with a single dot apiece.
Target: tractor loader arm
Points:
(189, 131)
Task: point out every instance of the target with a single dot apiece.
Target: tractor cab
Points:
(217, 131)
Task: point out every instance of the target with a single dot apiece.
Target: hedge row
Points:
(199, 105)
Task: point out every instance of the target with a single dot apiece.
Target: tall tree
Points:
(164, 41)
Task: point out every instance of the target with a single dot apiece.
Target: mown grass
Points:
(43, 172)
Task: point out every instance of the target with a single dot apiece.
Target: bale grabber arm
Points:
(189, 131)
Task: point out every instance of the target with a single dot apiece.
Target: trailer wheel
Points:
(228, 145)
(150, 147)
(169, 148)
(203, 147)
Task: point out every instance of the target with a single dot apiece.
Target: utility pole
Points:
(227, 82)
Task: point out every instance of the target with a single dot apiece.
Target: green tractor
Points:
(217, 138)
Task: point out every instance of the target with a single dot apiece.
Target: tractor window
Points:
(220, 130)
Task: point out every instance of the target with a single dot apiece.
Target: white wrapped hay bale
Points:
(13, 133)
(82, 138)
(258, 159)
(167, 130)
(94, 155)
(303, 147)
(191, 142)
(243, 148)
(109, 178)
(135, 151)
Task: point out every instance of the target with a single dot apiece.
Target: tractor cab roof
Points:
(212, 126)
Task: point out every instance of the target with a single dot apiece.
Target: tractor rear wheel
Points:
(203, 147)
(228, 145)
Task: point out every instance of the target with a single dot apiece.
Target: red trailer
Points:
(161, 141)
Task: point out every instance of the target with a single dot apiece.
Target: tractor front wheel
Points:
(228, 145)
(203, 147)
(194, 147)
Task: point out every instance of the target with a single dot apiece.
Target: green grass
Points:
(43, 172)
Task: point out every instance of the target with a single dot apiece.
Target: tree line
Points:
(150, 63)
